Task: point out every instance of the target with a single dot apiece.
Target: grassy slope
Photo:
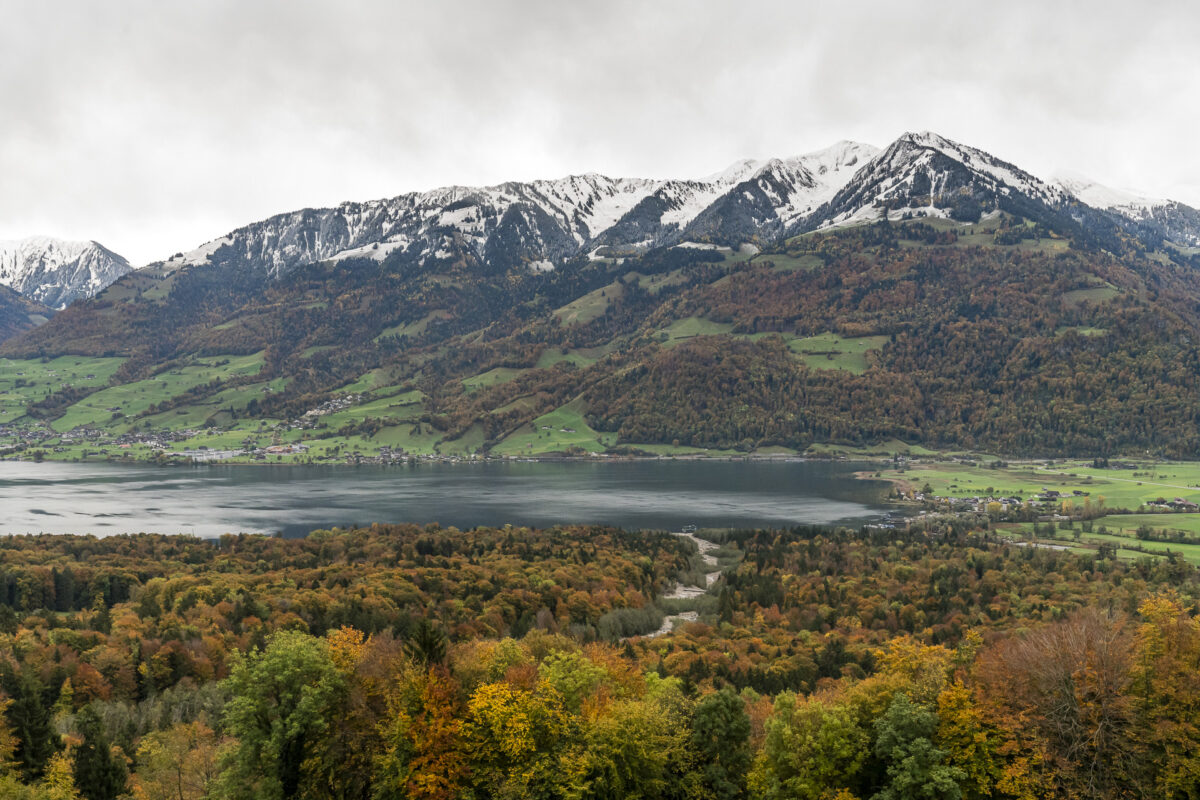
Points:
(556, 432)
(133, 398)
(39, 378)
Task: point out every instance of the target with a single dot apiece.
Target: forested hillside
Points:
(402, 661)
(1001, 335)
(18, 314)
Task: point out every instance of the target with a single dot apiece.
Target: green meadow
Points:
(29, 380)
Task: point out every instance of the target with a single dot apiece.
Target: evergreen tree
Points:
(98, 774)
(721, 735)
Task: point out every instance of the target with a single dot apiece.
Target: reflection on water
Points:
(106, 499)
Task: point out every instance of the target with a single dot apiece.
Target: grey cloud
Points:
(153, 126)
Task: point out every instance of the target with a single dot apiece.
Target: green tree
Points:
(520, 740)
(915, 767)
(811, 750)
(98, 774)
(630, 751)
(573, 676)
(59, 782)
(282, 701)
(721, 736)
(30, 721)
(426, 644)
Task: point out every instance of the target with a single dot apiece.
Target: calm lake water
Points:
(106, 499)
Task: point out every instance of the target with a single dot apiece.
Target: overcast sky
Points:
(155, 126)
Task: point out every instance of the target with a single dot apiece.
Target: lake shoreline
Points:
(107, 498)
(417, 460)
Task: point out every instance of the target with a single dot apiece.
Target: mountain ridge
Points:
(56, 272)
(544, 222)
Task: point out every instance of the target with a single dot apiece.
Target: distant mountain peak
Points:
(927, 139)
(1097, 195)
(735, 172)
(842, 154)
(1150, 218)
(543, 224)
(926, 174)
(56, 272)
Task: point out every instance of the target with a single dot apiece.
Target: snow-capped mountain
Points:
(56, 272)
(542, 223)
(778, 193)
(1167, 219)
(924, 174)
(501, 225)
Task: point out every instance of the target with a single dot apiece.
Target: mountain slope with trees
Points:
(969, 305)
(19, 314)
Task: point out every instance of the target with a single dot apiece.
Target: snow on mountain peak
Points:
(56, 272)
(734, 173)
(551, 221)
(840, 156)
(1097, 195)
(925, 174)
(928, 139)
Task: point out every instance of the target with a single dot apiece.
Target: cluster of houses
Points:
(1178, 504)
(204, 453)
(11, 436)
(980, 504)
(1053, 496)
(340, 403)
(309, 419)
(38, 435)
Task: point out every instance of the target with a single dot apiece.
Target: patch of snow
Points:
(1106, 197)
(202, 253)
(377, 251)
(918, 213)
(541, 266)
(465, 219)
(704, 246)
(736, 172)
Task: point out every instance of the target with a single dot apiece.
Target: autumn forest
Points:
(407, 661)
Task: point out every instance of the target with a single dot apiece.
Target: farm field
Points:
(128, 399)
(689, 328)
(1078, 540)
(492, 377)
(29, 380)
(583, 357)
(889, 448)
(823, 351)
(831, 351)
(1128, 524)
(590, 306)
(556, 432)
(1120, 488)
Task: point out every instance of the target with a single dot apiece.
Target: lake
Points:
(105, 499)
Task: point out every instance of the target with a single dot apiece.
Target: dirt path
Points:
(681, 592)
(705, 547)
